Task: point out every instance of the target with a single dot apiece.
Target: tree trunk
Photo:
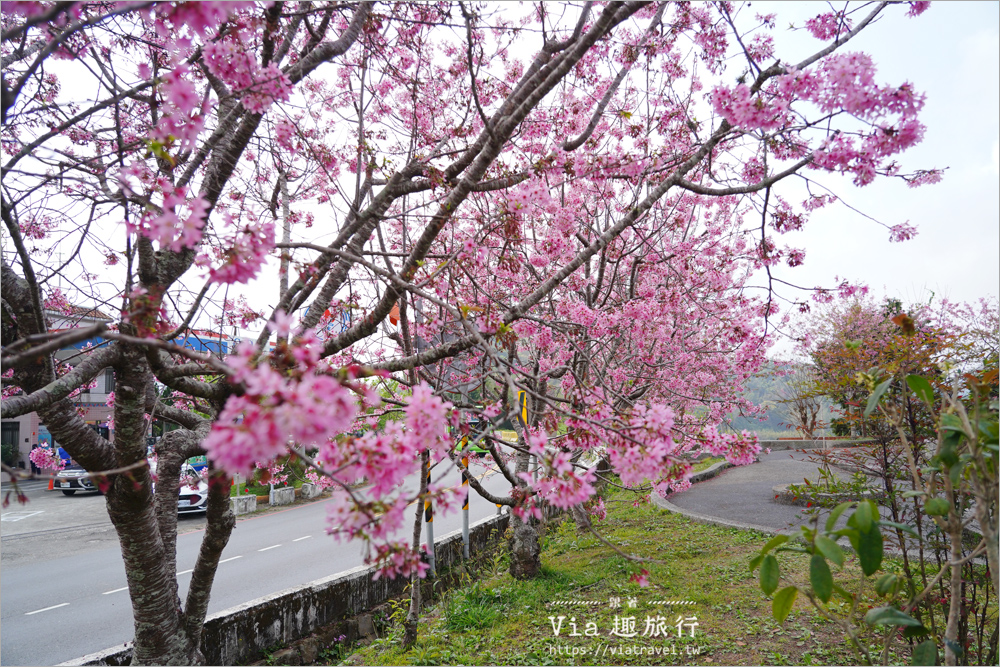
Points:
(525, 550)
(413, 615)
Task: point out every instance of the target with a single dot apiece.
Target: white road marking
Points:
(185, 572)
(39, 611)
(229, 559)
(117, 590)
(18, 515)
(299, 539)
(269, 548)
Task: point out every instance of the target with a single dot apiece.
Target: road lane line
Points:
(185, 572)
(299, 539)
(117, 590)
(229, 559)
(39, 611)
(269, 548)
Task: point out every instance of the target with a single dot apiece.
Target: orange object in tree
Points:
(394, 314)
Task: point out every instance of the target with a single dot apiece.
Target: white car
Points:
(72, 479)
(192, 494)
(193, 491)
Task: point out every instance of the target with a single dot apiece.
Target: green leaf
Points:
(775, 541)
(830, 549)
(769, 574)
(755, 561)
(876, 396)
(794, 548)
(820, 577)
(914, 494)
(990, 430)
(915, 631)
(925, 653)
(782, 603)
(863, 516)
(922, 388)
(843, 593)
(868, 545)
(951, 422)
(890, 616)
(885, 584)
(949, 448)
(901, 526)
(937, 507)
(845, 532)
(956, 471)
(831, 520)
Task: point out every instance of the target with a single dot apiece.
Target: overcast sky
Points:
(951, 52)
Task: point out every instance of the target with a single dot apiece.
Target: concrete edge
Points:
(710, 472)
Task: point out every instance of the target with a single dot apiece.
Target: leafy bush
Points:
(9, 453)
(840, 427)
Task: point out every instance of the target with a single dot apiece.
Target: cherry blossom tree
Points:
(564, 200)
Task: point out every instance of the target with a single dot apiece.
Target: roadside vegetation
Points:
(498, 620)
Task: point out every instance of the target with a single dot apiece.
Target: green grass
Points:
(258, 489)
(705, 464)
(498, 620)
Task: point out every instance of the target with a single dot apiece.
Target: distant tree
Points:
(801, 402)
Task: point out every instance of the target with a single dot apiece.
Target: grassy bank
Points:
(496, 620)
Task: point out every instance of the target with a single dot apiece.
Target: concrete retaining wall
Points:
(241, 634)
(309, 491)
(285, 496)
(243, 504)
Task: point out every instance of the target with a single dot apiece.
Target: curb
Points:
(709, 473)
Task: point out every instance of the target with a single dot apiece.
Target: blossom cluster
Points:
(260, 87)
(45, 458)
(275, 410)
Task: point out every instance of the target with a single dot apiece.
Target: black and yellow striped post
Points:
(465, 506)
(429, 522)
(522, 416)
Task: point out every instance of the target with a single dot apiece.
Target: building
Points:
(26, 432)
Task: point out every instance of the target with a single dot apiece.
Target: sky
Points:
(951, 53)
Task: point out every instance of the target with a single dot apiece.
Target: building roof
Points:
(80, 311)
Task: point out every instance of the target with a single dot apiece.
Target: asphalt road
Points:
(744, 493)
(71, 598)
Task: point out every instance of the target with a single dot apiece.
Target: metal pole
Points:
(429, 522)
(465, 506)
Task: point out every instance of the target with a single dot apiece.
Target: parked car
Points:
(193, 491)
(74, 478)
